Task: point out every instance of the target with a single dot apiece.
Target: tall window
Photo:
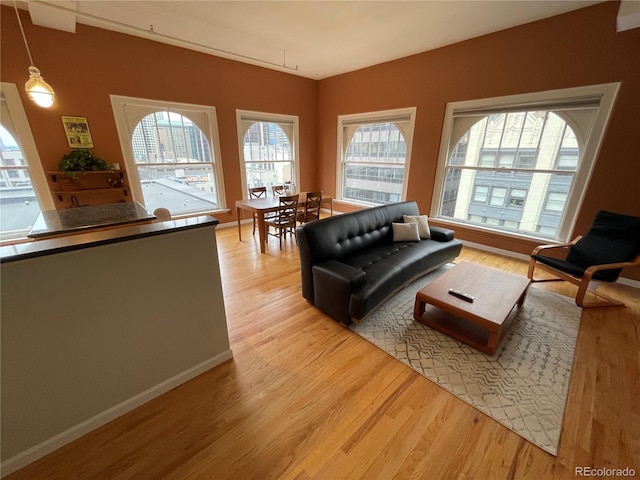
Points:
(373, 161)
(268, 143)
(521, 164)
(23, 188)
(172, 155)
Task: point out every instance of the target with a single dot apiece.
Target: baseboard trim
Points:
(622, 280)
(32, 454)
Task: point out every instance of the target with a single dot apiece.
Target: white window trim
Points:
(245, 116)
(383, 116)
(118, 104)
(24, 137)
(607, 93)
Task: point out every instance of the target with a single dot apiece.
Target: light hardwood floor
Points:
(303, 398)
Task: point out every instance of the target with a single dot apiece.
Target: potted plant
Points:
(82, 160)
(87, 170)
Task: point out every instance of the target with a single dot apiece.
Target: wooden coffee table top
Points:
(496, 293)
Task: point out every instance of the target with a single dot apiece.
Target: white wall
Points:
(90, 334)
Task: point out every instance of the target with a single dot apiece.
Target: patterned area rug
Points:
(523, 385)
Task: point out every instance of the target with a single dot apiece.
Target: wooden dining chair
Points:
(285, 219)
(257, 192)
(311, 208)
(278, 190)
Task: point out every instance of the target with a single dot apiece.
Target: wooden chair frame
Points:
(257, 192)
(311, 209)
(285, 219)
(585, 283)
(278, 190)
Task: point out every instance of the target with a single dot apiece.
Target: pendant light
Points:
(37, 89)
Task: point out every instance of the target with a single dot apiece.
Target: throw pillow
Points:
(423, 224)
(405, 232)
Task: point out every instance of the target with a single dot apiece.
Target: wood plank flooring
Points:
(304, 398)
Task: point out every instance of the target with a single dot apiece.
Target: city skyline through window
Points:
(173, 160)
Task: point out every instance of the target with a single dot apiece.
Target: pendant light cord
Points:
(24, 37)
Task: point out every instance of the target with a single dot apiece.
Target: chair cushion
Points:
(612, 238)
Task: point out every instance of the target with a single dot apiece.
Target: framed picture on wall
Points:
(77, 131)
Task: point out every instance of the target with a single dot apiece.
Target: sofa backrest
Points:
(343, 235)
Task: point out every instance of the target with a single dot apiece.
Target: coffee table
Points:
(481, 324)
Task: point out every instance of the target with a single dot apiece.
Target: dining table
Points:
(263, 206)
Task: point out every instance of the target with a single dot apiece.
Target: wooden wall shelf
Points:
(93, 188)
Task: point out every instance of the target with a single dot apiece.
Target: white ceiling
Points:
(314, 39)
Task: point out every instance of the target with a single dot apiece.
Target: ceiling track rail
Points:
(151, 32)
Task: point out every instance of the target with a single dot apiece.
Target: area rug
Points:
(523, 385)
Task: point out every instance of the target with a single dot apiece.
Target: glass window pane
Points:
(373, 171)
(183, 189)
(497, 196)
(500, 192)
(175, 164)
(19, 206)
(268, 156)
(495, 127)
(480, 194)
(513, 130)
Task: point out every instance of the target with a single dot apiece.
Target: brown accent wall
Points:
(575, 49)
(86, 67)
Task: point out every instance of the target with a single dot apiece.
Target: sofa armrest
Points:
(333, 283)
(441, 234)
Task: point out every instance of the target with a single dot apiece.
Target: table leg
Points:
(262, 231)
(418, 309)
(523, 296)
(238, 211)
(493, 342)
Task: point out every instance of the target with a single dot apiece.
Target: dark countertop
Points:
(93, 238)
(79, 219)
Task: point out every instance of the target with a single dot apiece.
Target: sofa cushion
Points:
(405, 232)
(388, 268)
(423, 224)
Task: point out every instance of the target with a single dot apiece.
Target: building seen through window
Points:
(512, 171)
(268, 156)
(174, 164)
(19, 206)
(374, 164)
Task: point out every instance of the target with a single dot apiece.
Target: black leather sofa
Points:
(350, 263)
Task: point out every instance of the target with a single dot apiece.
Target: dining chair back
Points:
(257, 192)
(278, 190)
(311, 209)
(285, 219)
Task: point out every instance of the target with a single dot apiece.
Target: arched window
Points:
(507, 167)
(520, 164)
(268, 147)
(172, 156)
(374, 161)
(23, 190)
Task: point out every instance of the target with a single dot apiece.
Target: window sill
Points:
(493, 232)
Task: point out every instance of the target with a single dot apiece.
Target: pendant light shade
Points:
(38, 90)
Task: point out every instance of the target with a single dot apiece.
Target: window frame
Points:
(604, 93)
(21, 132)
(126, 125)
(243, 117)
(404, 118)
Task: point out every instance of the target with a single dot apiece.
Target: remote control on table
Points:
(464, 296)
